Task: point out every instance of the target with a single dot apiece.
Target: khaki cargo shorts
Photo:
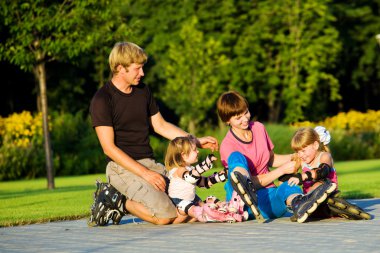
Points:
(139, 190)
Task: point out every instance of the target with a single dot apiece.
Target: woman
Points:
(247, 152)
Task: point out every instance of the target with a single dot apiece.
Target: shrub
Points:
(75, 145)
(355, 135)
(76, 149)
(21, 153)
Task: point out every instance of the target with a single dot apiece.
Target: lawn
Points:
(28, 201)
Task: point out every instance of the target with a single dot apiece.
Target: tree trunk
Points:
(192, 127)
(274, 112)
(40, 73)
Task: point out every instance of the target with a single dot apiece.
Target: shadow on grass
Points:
(374, 169)
(357, 195)
(23, 193)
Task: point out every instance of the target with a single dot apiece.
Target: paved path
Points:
(280, 235)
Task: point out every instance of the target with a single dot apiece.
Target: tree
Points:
(285, 54)
(358, 22)
(40, 31)
(193, 84)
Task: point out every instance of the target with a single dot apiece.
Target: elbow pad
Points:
(190, 178)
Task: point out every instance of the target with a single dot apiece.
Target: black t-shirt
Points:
(128, 114)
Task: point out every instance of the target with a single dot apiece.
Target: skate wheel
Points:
(255, 211)
(233, 177)
(303, 218)
(339, 205)
(365, 216)
(330, 201)
(241, 189)
(353, 210)
(247, 199)
(332, 188)
(312, 209)
(323, 198)
(102, 221)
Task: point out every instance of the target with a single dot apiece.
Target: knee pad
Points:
(185, 205)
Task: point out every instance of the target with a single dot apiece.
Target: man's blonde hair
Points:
(124, 54)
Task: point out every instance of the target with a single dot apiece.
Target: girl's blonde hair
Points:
(303, 137)
(176, 148)
(124, 54)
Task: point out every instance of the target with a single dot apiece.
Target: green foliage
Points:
(191, 82)
(77, 150)
(359, 68)
(21, 162)
(284, 53)
(42, 31)
(21, 150)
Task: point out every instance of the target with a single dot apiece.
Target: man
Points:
(122, 113)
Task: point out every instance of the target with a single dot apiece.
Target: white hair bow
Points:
(324, 135)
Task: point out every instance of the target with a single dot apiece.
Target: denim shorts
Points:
(194, 202)
(139, 190)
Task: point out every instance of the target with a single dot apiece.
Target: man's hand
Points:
(155, 179)
(208, 142)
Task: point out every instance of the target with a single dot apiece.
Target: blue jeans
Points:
(271, 201)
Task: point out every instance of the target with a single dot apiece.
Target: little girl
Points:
(181, 153)
(317, 165)
(311, 149)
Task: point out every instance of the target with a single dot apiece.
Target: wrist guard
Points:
(286, 177)
(205, 165)
(322, 171)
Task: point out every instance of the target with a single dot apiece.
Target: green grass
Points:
(28, 201)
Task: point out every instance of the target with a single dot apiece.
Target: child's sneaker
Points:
(342, 208)
(304, 205)
(245, 189)
(108, 205)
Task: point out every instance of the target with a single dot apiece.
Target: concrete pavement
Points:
(280, 235)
